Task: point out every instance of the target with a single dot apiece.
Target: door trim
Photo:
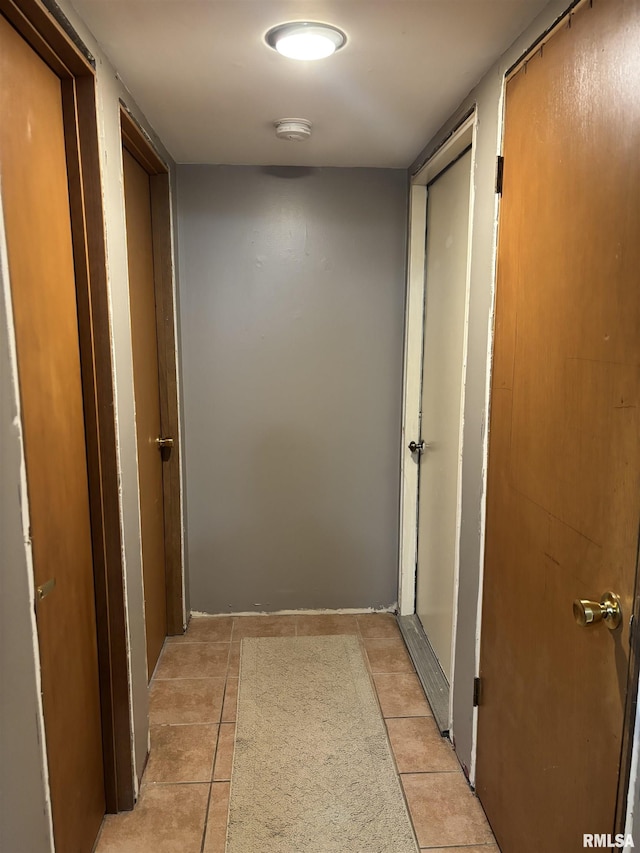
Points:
(72, 65)
(138, 144)
(460, 139)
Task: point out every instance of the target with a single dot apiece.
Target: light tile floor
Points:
(184, 795)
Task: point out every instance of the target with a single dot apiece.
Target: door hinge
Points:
(476, 692)
(499, 174)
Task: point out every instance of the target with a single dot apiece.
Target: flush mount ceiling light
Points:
(293, 129)
(305, 40)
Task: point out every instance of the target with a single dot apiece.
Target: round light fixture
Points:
(293, 129)
(305, 40)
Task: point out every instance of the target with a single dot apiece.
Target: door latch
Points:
(44, 590)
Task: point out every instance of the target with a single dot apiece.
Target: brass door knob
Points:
(607, 610)
(164, 443)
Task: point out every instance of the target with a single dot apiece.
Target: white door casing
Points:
(442, 405)
(414, 326)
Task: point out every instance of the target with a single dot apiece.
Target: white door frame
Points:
(414, 324)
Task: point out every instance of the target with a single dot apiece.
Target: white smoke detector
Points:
(293, 129)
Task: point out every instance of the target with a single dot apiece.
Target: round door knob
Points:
(607, 610)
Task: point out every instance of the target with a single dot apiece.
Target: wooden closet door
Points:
(35, 200)
(564, 461)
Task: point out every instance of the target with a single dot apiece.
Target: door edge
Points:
(141, 148)
(63, 51)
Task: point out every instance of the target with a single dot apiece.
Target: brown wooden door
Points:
(147, 396)
(564, 460)
(38, 230)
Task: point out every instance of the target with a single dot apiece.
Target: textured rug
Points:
(312, 768)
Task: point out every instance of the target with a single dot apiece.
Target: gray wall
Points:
(292, 297)
(487, 98)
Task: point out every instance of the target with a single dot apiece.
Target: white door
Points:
(441, 404)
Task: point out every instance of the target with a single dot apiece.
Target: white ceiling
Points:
(210, 87)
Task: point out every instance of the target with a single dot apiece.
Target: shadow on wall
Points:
(290, 522)
(288, 172)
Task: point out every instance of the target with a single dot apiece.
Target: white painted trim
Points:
(633, 811)
(414, 334)
(116, 392)
(470, 127)
(174, 292)
(26, 519)
(447, 152)
(485, 436)
(411, 397)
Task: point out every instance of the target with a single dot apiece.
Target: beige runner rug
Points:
(312, 769)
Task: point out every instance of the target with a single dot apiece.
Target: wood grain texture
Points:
(41, 264)
(137, 142)
(563, 501)
(40, 29)
(85, 192)
(45, 35)
(138, 145)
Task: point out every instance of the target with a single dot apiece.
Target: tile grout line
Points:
(213, 766)
(227, 676)
(170, 785)
(430, 772)
(206, 818)
(486, 844)
(410, 717)
(193, 677)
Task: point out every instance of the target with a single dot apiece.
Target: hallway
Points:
(379, 359)
(185, 789)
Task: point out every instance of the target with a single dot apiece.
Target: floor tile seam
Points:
(173, 784)
(426, 772)
(414, 826)
(374, 637)
(397, 757)
(215, 751)
(461, 846)
(432, 772)
(392, 672)
(422, 717)
(226, 823)
(213, 779)
(206, 816)
(224, 697)
(192, 678)
(188, 678)
(177, 725)
(410, 717)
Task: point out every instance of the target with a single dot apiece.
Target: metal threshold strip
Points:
(432, 678)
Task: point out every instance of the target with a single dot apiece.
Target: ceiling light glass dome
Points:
(305, 40)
